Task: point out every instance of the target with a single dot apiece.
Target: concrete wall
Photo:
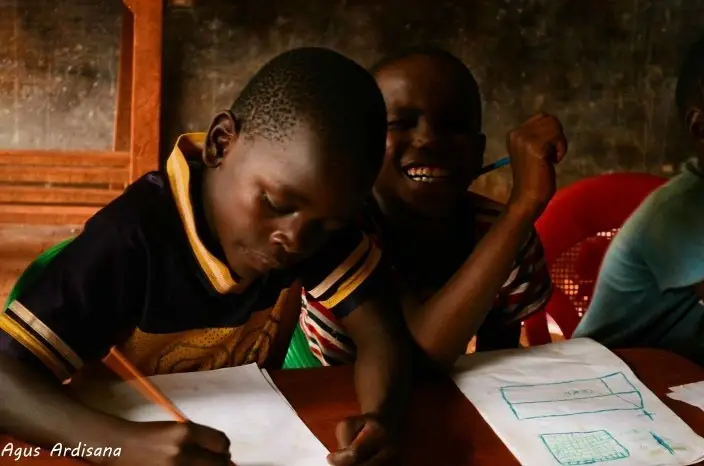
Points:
(606, 67)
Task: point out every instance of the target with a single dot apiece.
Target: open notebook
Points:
(240, 401)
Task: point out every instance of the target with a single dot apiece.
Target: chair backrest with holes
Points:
(576, 229)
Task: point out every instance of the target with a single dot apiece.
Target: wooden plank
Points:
(67, 158)
(123, 101)
(64, 175)
(45, 215)
(56, 195)
(146, 82)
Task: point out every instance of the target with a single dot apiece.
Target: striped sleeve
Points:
(77, 306)
(327, 338)
(341, 277)
(528, 287)
(33, 335)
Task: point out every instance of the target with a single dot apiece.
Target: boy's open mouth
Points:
(426, 173)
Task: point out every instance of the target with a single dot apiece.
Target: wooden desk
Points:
(444, 428)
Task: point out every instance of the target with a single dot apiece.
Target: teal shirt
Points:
(645, 295)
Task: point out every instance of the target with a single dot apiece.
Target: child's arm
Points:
(70, 316)
(38, 409)
(526, 291)
(381, 365)
(357, 293)
(448, 321)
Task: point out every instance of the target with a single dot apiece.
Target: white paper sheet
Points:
(574, 403)
(239, 401)
(691, 393)
(268, 378)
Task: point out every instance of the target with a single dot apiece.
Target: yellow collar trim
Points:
(179, 175)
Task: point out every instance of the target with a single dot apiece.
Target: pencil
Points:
(119, 364)
(502, 162)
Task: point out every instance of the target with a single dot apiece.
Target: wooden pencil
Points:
(119, 364)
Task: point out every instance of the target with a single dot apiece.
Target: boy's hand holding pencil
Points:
(171, 444)
(535, 147)
(178, 443)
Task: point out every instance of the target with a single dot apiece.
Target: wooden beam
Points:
(63, 175)
(52, 158)
(45, 215)
(123, 101)
(146, 81)
(129, 4)
(56, 195)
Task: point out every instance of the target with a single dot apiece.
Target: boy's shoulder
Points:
(144, 205)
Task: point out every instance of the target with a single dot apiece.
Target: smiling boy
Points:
(463, 264)
(190, 269)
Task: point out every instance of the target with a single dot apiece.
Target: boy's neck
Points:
(420, 227)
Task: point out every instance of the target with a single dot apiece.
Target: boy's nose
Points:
(425, 137)
(293, 236)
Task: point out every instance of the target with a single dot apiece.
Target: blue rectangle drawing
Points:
(613, 392)
(579, 448)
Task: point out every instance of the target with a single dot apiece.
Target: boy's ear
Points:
(694, 121)
(221, 137)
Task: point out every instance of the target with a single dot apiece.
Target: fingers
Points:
(346, 431)
(360, 449)
(349, 457)
(560, 149)
(547, 129)
(208, 439)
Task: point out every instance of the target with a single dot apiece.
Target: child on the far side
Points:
(463, 265)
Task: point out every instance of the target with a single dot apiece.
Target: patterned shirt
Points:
(525, 291)
(146, 276)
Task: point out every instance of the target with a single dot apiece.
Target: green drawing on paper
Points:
(580, 448)
(613, 392)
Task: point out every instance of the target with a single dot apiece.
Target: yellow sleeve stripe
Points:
(33, 344)
(356, 279)
(342, 269)
(47, 334)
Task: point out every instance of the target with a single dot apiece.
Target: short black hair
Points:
(690, 81)
(463, 73)
(332, 94)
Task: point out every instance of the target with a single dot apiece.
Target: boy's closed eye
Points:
(276, 207)
(279, 208)
(401, 124)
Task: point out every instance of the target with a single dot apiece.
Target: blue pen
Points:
(494, 165)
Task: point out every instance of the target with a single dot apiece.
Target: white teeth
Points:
(426, 174)
(425, 179)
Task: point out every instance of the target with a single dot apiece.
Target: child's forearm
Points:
(382, 380)
(36, 409)
(382, 365)
(448, 321)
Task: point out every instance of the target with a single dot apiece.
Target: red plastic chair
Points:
(575, 230)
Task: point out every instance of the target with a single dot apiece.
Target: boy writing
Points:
(464, 265)
(189, 269)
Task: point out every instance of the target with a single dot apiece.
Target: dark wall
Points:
(606, 67)
(58, 70)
